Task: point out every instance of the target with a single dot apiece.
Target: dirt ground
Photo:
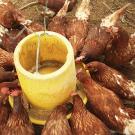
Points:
(99, 9)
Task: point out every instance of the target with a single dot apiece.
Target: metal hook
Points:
(37, 55)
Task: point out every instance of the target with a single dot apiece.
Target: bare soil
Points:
(99, 9)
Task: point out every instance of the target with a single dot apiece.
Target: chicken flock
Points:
(102, 48)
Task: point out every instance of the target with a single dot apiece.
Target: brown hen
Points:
(107, 106)
(85, 123)
(99, 39)
(18, 122)
(9, 15)
(58, 23)
(57, 123)
(11, 38)
(77, 26)
(4, 108)
(112, 79)
(96, 43)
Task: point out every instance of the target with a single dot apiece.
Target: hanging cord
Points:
(38, 47)
(37, 56)
(45, 10)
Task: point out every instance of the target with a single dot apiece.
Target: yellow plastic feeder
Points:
(45, 91)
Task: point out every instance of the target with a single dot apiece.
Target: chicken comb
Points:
(16, 93)
(5, 91)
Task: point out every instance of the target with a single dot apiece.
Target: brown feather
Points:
(58, 23)
(77, 26)
(123, 49)
(7, 76)
(6, 59)
(18, 122)
(131, 112)
(112, 79)
(11, 39)
(97, 40)
(105, 104)
(9, 15)
(85, 123)
(4, 109)
(57, 123)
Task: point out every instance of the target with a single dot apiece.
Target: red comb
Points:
(5, 90)
(15, 93)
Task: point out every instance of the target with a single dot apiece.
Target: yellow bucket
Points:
(45, 91)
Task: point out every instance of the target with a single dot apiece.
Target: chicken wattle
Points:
(11, 38)
(85, 123)
(107, 106)
(34, 27)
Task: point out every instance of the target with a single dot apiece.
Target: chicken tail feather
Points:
(112, 19)
(62, 12)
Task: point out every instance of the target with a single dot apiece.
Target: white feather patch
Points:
(130, 127)
(83, 11)
(1, 2)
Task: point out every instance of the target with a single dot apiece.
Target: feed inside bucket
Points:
(57, 77)
(52, 54)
